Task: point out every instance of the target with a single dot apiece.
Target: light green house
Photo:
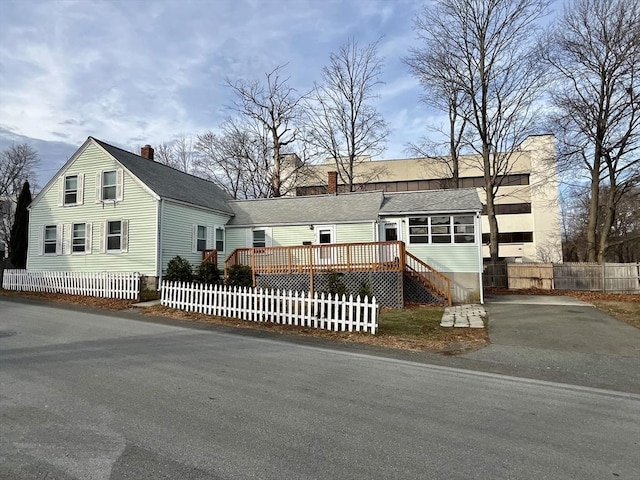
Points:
(111, 210)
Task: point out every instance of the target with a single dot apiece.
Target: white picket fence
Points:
(92, 284)
(284, 307)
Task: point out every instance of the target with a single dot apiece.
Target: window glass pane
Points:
(464, 229)
(109, 193)
(113, 242)
(463, 219)
(325, 236)
(440, 229)
(114, 228)
(71, 183)
(439, 220)
(441, 238)
(418, 221)
(109, 178)
(464, 238)
(50, 233)
(418, 239)
(259, 238)
(418, 230)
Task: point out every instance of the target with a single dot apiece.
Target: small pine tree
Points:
(19, 237)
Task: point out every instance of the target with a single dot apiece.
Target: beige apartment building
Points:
(527, 204)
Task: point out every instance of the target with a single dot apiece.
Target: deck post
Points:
(311, 269)
(253, 266)
(403, 256)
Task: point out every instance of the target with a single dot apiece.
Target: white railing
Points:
(91, 284)
(284, 307)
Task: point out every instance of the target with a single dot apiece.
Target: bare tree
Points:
(343, 124)
(178, 154)
(433, 67)
(597, 60)
(17, 166)
(237, 158)
(273, 107)
(492, 60)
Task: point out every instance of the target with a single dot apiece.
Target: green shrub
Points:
(335, 285)
(240, 276)
(365, 290)
(179, 270)
(208, 273)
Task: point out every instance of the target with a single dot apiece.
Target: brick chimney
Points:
(333, 182)
(147, 152)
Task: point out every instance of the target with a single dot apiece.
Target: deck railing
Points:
(370, 256)
(436, 280)
(210, 256)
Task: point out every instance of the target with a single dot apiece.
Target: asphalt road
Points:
(98, 396)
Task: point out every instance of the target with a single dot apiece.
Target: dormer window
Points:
(109, 185)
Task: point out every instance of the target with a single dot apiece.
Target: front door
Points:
(389, 233)
(325, 235)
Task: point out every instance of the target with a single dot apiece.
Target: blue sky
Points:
(132, 72)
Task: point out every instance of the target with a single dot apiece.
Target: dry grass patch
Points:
(628, 312)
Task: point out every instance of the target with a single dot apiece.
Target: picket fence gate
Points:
(327, 312)
(91, 284)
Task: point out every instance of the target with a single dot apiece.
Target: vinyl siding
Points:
(449, 257)
(355, 233)
(138, 206)
(177, 232)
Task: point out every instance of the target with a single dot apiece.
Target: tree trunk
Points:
(592, 223)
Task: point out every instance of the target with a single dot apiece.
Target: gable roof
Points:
(348, 207)
(432, 201)
(170, 183)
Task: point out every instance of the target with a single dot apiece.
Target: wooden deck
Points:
(340, 257)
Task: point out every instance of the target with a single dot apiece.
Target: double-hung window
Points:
(201, 238)
(50, 240)
(79, 238)
(109, 185)
(259, 239)
(219, 239)
(71, 190)
(114, 235)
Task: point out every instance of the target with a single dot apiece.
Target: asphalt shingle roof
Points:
(348, 207)
(170, 183)
(432, 201)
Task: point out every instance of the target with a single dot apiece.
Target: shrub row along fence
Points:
(92, 284)
(327, 312)
(595, 277)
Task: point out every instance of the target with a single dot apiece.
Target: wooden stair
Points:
(434, 282)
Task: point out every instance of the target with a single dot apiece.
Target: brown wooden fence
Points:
(595, 277)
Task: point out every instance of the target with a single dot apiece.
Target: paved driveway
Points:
(561, 334)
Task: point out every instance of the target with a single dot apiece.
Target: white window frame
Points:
(214, 242)
(63, 191)
(55, 241)
(119, 186)
(113, 186)
(87, 238)
(268, 240)
(451, 226)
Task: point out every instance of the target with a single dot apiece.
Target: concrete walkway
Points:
(470, 316)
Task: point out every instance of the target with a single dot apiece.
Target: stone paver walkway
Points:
(464, 316)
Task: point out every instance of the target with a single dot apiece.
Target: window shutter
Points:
(119, 184)
(249, 238)
(88, 229)
(61, 191)
(98, 187)
(41, 241)
(102, 232)
(80, 195)
(194, 239)
(59, 229)
(125, 236)
(267, 237)
(66, 239)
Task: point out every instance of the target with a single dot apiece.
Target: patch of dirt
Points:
(94, 302)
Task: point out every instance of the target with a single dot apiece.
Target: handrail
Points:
(436, 280)
(210, 256)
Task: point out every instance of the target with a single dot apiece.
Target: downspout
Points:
(480, 264)
(161, 235)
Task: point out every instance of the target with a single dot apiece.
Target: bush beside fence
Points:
(92, 284)
(327, 312)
